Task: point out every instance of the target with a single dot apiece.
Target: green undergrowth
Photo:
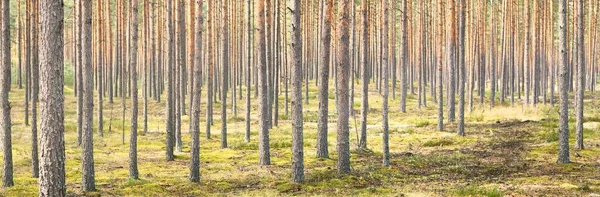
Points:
(507, 150)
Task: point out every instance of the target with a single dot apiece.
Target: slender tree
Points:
(297, 124)
(87, 155)
(563, 128)
(440, 97)
(225, 55)
(170, 83)
(322, 144)
(385, 66)
(34, 90)
(133, 51)
(79, 72)
(365, 75)
(461, 68)
(52, 157)
(5, 122)
(405, 61)
(451, 51)
(581, 73)
(263, 119)
(196, 96)
(248, 71)
(343, 67)
(211, 66)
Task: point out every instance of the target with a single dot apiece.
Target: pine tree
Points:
(170, 126)
(87, 155)
(563, 128)
(52, 159)
(581, 74)
(343, 67)
(325, 42)
(133, 51)
(263, 122)
(297, 122)
(196, 96)
(385, 66)
(5, 78)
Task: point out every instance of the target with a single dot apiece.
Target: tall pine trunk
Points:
(365, 75)
(196, 96)
(322, 144)
(133, 51)
(343, 67)
(87, 155)
(297, 123)
(263, 122)
(52, 157)
(5, 77)
(563, 128)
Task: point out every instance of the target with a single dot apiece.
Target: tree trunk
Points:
(297, 124)
(343, 67)
(5, 78)
(225, 55)
(52, 168)
(79, 73)
(263, 122)
(34, 89)
(451, 50)
(385, 67)
(87, 155)
(362, 143)
(322, 144)
(133, 51)
(211, 65)
(462, 68)
(563, 128)
(404, 68)
(248, 71)
(196, 96)
(440, 81)
(581, 74)
(170, 126)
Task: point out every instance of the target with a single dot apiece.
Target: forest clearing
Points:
(299, 98)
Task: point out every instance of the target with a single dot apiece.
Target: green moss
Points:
(438, 142)
(479, 191)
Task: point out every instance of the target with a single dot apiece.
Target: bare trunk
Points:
(52, 168)
(343, 66)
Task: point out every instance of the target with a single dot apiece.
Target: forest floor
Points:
(506, 151)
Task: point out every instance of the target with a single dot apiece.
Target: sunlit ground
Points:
(507, 151)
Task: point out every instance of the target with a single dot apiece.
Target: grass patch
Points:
(438, 142)
(479, 191)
